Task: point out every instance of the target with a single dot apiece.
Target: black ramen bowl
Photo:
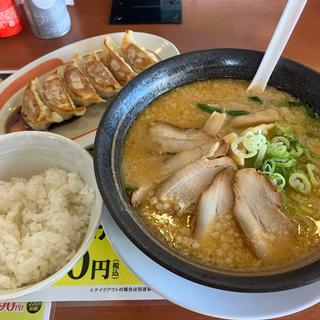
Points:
(290, 76)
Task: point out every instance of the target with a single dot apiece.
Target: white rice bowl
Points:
(49, 212)
(43, 222)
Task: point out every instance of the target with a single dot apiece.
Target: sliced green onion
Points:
(247, 146)
(256, 99)
(296, 151)
(239, 149)
(285, 172)
(236, 113)
(284, 163)
(269, 166)
(285, 131)
(276, 179)
(281, 139)
(210, 108)
(312, 169)
(300, 182)
(278, 150)
(254, 139)
(260, 156)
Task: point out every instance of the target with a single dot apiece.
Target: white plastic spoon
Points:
(279, 40)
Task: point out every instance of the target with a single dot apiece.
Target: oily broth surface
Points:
(225, 246)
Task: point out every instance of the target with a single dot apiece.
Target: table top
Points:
(206, 24)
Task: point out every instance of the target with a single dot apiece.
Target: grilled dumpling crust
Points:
(83, 81)
(79, 87)
(137, 56)
(115, 63)
(100, 77)
(34, 111)
(55, 95)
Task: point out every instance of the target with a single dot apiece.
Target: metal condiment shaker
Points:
(48, 18)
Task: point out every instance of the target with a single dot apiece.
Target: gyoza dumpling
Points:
(34, 111)
(79, 87)
(115, 63)
(100, 77)
(56, 96)
(137, 56)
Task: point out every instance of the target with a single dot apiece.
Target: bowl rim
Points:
(8, 294)
(145, 240)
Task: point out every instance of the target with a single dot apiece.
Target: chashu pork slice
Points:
(216, 200)
(258, 211)
(174, 139)
(209, 150)
(215, 149)
(185, 186)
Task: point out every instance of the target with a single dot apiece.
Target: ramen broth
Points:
(225, 246)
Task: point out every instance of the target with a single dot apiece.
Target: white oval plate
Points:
(82, 129)
(202, 299)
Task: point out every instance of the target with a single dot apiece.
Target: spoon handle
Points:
(279, 40)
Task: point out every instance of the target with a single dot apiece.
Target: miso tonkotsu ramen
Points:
(226, 177)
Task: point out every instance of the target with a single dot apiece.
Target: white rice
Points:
(43, 221)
